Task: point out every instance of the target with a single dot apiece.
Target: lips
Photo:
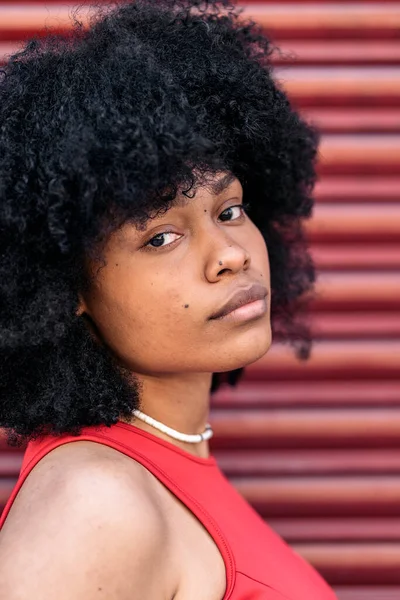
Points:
(242, 297)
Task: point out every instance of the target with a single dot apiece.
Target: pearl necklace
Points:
(182, 437)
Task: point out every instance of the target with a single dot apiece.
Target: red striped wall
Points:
(316, 447)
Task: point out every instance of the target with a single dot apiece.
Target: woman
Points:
(132, 280)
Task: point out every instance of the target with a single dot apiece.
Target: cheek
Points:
(259, 254)
(142, 319)
(138, 305)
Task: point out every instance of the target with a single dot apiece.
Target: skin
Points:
(152, 301)
(152, 308)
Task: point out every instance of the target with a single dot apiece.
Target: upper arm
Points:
(89, 537)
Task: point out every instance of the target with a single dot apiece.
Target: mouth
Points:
(246, 303)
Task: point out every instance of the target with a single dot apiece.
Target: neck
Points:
(179, 401)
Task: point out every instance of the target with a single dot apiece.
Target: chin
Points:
(245, 350)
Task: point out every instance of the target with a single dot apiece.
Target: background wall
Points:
(315, 447)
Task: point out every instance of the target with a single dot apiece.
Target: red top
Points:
(259, 564)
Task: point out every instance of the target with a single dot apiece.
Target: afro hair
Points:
(107, 124)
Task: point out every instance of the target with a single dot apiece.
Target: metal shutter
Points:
(315, 447)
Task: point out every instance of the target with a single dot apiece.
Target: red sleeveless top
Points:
(259, 564)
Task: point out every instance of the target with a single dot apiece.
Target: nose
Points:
(225, 257)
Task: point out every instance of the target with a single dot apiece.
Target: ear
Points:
(82, 306)
(84, 312)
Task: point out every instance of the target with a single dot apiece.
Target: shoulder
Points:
(87, 476)
(90, 512)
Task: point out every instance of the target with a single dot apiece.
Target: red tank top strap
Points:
(158, 456)
(257, 561)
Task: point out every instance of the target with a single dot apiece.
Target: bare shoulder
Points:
(86, 525)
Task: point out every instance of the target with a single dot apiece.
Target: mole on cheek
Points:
(186, 305)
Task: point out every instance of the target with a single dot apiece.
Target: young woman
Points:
(153, 181)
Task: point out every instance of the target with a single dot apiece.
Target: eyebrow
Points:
(218, 186)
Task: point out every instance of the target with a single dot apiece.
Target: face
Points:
(153, 301)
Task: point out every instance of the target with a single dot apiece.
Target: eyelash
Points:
(244, 208)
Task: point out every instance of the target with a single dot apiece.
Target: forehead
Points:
(220, 183)
(214, 185)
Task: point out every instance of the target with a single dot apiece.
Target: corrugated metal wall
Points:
(316, 447)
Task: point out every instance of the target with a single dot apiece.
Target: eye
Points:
(162, 239)
(233, 212)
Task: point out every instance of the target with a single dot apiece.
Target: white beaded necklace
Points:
(182, 437)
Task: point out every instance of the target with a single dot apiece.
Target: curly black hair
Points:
(107, 124)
